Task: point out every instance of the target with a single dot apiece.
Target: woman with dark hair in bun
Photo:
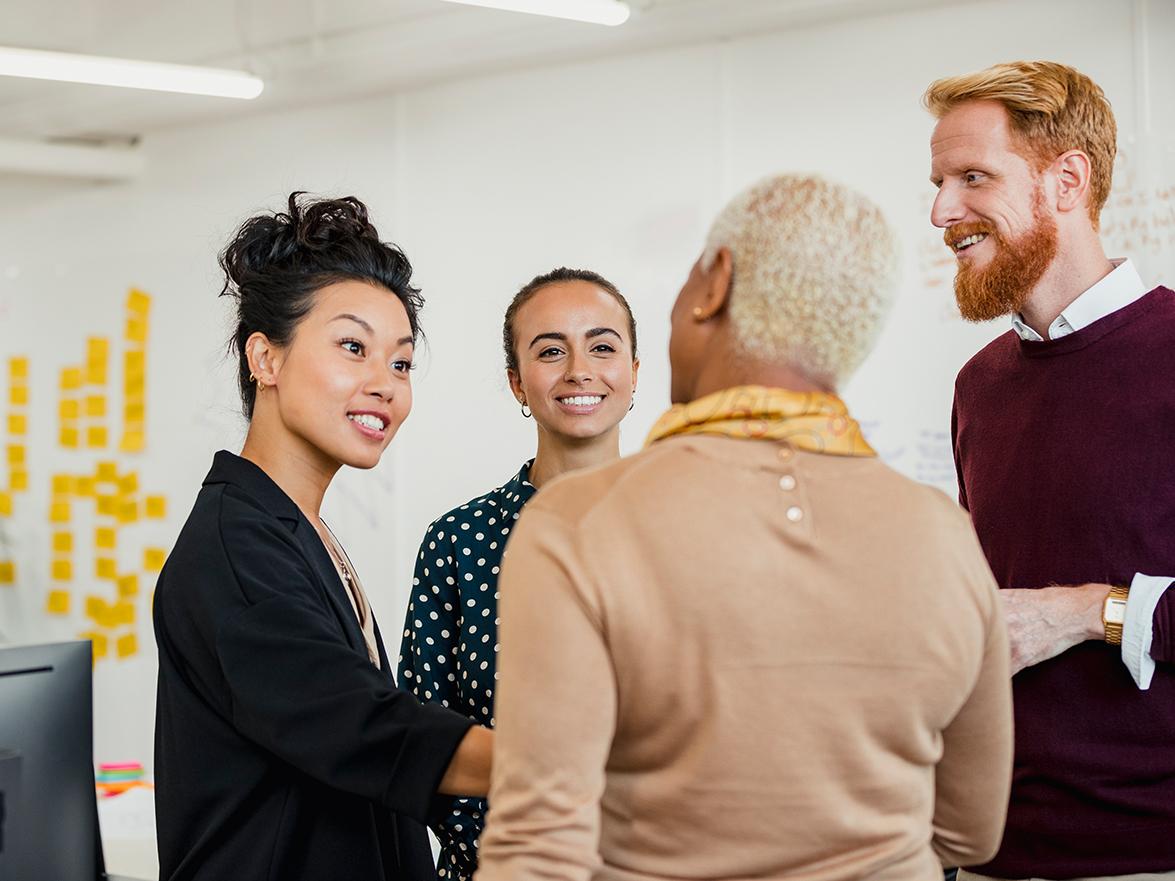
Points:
(283, 748)
(570, 345)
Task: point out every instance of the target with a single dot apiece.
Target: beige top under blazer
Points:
(727, 659)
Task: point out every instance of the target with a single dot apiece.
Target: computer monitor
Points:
(48, 806)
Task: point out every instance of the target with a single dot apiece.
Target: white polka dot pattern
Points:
(450, 646)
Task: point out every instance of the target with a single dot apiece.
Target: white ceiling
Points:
(310, 51)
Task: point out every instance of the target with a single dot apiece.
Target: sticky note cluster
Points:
(81, 412)
(134, 415)
(118, 502)
(15, 466)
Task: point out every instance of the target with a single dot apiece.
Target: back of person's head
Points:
(1052, 108)
(815, 273)
(276, 262)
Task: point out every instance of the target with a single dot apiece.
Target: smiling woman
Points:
(283, 748)
(570, 344)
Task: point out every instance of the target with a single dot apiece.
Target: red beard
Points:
(1003, 286)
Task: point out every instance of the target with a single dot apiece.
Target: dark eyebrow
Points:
(562, 337)
(550, 335)
(349, 317)
(405, 341)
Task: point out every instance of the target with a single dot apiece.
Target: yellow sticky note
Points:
(138, 301)
(96, 436)
(132, 442)
(7, 572)
(18, 480)
(18, 368)
(63, 484)
(136, 330)
(135, 362)
(58, 602)
(156, 507)
(133, 412)
(5, 504)
(18, 395)
(153, 559)
(107, 471)
(70, 438)
(124, 613)
(107, 505)
(71, 379)
(128, 586)
(127, 645)
(84, 487)
(128, 484)
(59, 512)
(105, 538)
(97, 348)
(18, 424)
(62, 542)
(95, 406)
(15, 454)
(96, 373)
(69, 408)
(106, 567)
(99, 646)
(128, 511)
(62, 570)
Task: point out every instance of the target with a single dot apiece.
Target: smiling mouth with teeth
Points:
(965, 243)
(368, 421)
(581, 400)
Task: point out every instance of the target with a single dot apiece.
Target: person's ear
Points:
(264, 359)
(636, 366)
(1072, 171)
(516, 385)
(716, 285)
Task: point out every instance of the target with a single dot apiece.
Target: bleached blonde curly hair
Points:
(815, 273)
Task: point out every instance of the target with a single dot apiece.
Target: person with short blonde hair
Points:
(1060, 432)
(752, 650)
(822, 316)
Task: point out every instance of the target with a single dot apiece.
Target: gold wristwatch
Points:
(1114, 614)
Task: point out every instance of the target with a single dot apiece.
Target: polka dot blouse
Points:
(450, 645)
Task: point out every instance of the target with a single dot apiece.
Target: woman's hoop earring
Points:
(632, 403)
(525, 412)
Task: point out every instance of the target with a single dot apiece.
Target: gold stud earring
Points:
(698, 313)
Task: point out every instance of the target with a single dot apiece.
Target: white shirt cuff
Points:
(1138, 629)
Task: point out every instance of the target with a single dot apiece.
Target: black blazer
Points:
(281, 752)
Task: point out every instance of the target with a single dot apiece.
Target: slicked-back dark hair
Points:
(277, 261)
(555, 276)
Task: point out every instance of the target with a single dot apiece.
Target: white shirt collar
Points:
(1121, 287)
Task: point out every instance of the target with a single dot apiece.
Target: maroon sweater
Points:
(1066, 457)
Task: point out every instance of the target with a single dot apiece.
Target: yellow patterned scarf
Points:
(812, 421)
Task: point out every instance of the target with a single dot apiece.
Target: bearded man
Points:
(1063, 431)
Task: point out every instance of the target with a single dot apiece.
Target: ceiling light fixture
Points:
(96, 70)
(609, 12)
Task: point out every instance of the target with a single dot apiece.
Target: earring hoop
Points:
(525, 411)
(632, 403)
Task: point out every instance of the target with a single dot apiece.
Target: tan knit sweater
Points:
(726, 659)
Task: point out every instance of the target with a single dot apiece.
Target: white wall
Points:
(617, 165)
